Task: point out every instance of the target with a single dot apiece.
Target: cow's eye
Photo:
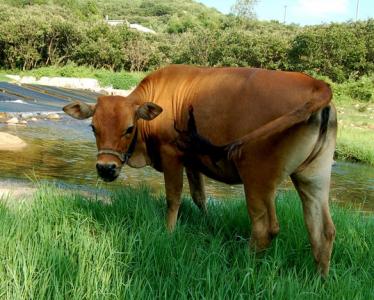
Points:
(128, 131)
(93, 128)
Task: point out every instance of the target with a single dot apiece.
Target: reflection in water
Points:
(65, 150)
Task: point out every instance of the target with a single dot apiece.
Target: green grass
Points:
(356, 145)
(355, 140)
(119, 80)
(3, 74)
(62, 246)
(350, 91)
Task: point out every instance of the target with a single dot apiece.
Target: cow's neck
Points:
(139, 157)
(144, 92)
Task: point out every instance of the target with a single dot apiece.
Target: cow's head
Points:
(115, 126)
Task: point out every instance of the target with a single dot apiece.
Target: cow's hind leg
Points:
(313, 184)
(196, 183)
(261, 209)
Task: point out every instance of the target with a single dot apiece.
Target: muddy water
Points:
(64, 151)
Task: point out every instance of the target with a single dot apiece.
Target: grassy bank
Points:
(356, 133)
(118, 80)
(3, 74)
(356, 145)
(61, 246)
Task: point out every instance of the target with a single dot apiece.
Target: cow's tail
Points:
(320, 97)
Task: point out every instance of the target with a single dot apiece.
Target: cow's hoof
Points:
(259, 246)
(323, 268)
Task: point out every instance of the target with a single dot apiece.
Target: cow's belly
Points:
(222, 170)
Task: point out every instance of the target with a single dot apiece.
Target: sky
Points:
(304, 12)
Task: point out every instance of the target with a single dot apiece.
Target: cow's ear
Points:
(79, 110)
(148, 111)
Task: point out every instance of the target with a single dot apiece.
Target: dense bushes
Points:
(336, 50)
(102, 46)
(42, 35)
(232, 47)
(361, 89)
(339, 51)
(36, 38)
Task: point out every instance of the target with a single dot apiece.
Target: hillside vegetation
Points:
(55, 32)
(161, 15)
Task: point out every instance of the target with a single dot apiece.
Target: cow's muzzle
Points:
(108, 171)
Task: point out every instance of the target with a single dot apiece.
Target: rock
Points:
(12, 121)
(53, 117)
(14, 77)
(33, 119)
(27, 79)
(10, 142)
(3, 115)
(68, 82)
(23, 122)
(72, 83)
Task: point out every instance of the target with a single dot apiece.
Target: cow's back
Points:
(228, 102)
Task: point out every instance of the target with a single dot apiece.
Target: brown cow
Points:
(237, 125)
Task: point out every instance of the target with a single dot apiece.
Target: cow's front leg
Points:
(173, 175)
(197, 191)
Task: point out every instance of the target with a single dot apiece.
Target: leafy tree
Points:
(102, 46)
(61, 39)
(244, 8)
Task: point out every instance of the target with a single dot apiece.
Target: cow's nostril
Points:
(111, 166)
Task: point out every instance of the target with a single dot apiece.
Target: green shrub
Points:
(102, 46)
(118, 80)
(361, 89)
(335, 50)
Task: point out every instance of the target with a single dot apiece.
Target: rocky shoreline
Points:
(23, 118)
(88, 84)
(11, 142)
